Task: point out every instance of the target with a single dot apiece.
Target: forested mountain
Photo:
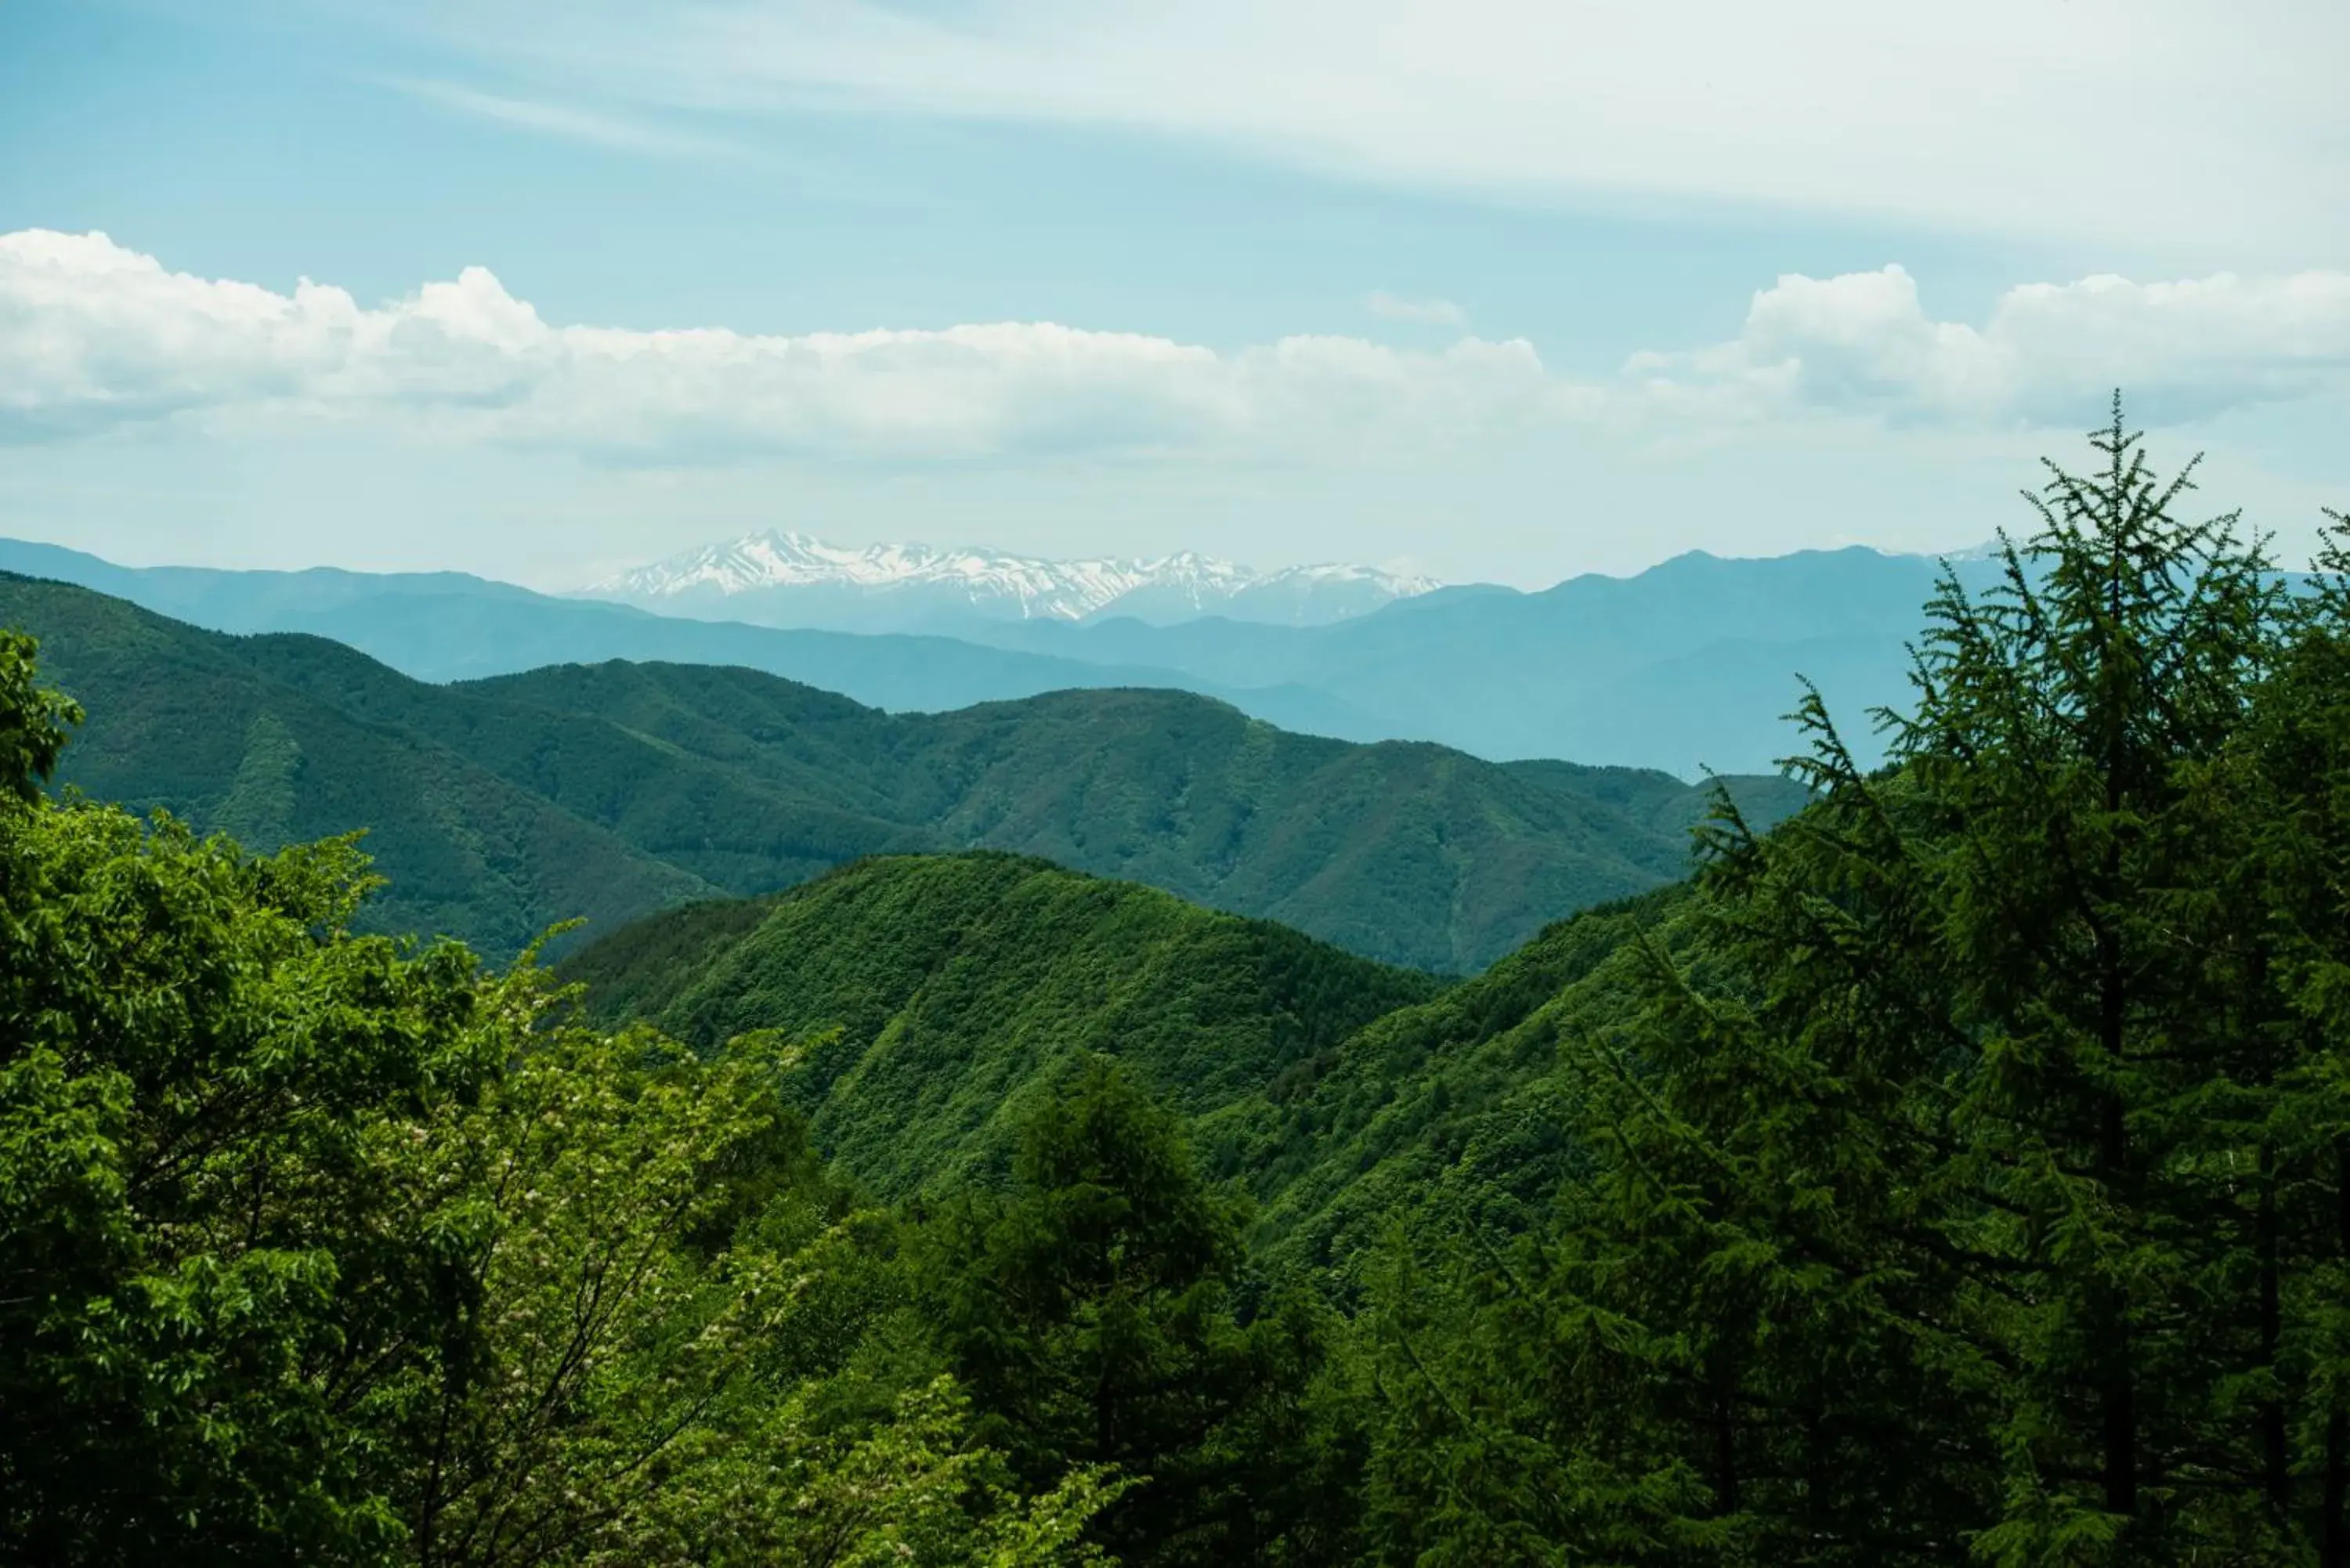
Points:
(194, 723)
(1691, 664)
(1954, 1172)
(964, 988)
(944, 994)
(609, 791)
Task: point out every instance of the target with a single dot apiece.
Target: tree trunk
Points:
(2276, 1470)
(2334, 1527)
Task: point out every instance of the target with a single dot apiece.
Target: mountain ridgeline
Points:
(786, 579)
(1952, 1172)
(498, 808)
(1688, 666)
(945, 994)
(942, 998)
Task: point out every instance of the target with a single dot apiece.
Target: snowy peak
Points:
(786, 579)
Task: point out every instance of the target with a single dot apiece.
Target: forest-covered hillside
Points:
(500, 807)
(944, 996)
(1954, 1172)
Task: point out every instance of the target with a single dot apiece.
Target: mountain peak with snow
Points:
(784, 578)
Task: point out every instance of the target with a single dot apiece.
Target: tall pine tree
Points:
(1937, 1207)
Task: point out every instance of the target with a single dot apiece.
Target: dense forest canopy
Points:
(1955, 1172)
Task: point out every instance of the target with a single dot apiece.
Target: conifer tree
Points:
(1090, 1313)
(2292, 783)
(2095, 967)
(1933, 1208)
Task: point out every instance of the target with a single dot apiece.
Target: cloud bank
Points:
(2182, 351)
(96, 336)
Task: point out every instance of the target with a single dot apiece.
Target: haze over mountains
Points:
(1688, 666)
(788, 579)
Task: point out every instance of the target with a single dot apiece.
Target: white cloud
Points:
(2048, 353)
(561, 120)
(2174, 125)
(1425, 312)
(96, 336)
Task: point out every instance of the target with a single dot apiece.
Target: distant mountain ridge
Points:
(783, 579)
(498, 807)
(1688, 666)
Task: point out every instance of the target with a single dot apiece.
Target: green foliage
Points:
(943, 994)
(1956, 1171)
(1451, 1108)
(499, 807)
(1968, 1187)
(33, 721)
(1090, 1310)
(319, 1248)
(214, 1242)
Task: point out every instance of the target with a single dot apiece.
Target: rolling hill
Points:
(183, 720)
(962, 986)
(943, 992)
(498, 807)
(1408, 852)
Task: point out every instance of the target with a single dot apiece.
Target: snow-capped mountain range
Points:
(782, 578)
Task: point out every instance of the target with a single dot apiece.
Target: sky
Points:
(1499, 290)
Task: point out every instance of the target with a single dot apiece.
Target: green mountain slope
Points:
(734, 829)
(1452, 1106)
(963, 986)
(1407, 853)
(187, 720)
(1338, 1093)
(500, 806)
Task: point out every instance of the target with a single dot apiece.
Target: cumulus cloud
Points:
(1864, 341)
(2173, 125)
(97, 335)
(1425, 312)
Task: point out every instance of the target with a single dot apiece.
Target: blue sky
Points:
(1494, 289)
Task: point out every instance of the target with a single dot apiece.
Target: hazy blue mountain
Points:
(1688, 666)
(1685, 666)
(449, 625)
(243, 601)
